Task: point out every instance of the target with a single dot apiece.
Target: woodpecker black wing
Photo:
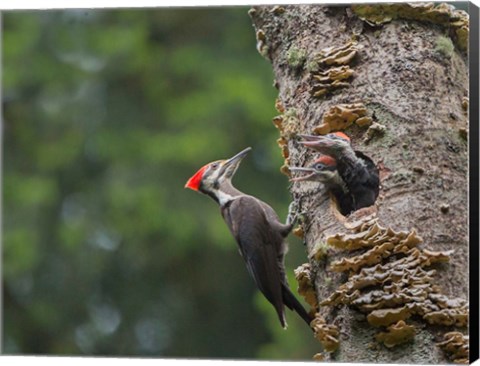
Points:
(361, 178)
(258, 246)
(343, 199)
(289, 298)
(369, 182)
(274, 221)
(261, 246)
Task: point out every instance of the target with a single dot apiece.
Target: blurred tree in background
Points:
(106, 115)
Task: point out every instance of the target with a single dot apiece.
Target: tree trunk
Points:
(401, 96)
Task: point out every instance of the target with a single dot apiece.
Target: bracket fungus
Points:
(326, 334)
(279, 106)
(319, 357)
(456, 345)
(298, 231)
(372, 236)
(448, 316)
(442, 14)
(388, 281)
(369, 258)
(341, 116)
(331, 79)
(388, 316)
(337, 55)
(396, 334)
(303, 275)
(330, 69)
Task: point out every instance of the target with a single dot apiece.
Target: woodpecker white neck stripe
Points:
(225, 198)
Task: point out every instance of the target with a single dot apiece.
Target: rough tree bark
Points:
(410, 76)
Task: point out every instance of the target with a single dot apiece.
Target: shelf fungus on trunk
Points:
(388, 280)
(337, 55)
(341, 116)
(303, 275)
(456, 345)
(397, 333)
(326, 334)
(325, 82)
(457, 21)
(330, 68)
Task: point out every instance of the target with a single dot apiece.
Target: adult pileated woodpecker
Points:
(357, 170)
(257, 229)
(324, 170)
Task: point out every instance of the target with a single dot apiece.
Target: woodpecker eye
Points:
(214, 165)
(319, 166)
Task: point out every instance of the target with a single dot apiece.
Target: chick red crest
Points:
(327, 160)
(196, 179)
(342, 135)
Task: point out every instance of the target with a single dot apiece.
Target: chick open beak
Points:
(316, 141)
(302, 178)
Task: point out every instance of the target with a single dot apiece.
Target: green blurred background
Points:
(107, 113)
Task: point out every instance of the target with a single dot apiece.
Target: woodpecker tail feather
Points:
(292, 303)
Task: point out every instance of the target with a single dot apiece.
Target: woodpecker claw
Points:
(301, 217)
(292, 213)
(294, 217)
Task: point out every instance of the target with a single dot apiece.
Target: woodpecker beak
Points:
(317, 142)
(309, 137)
(305, 177)
(229, 167)
(238, 157)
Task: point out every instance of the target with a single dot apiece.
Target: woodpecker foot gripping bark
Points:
(292, 213)
(294, 217)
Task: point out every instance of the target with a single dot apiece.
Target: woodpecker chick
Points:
(257, 229)
(356, 169)
(324, 170)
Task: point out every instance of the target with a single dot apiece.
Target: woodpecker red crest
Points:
(196, 179)
(209, 178)
(341, 135)
(326, 160)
